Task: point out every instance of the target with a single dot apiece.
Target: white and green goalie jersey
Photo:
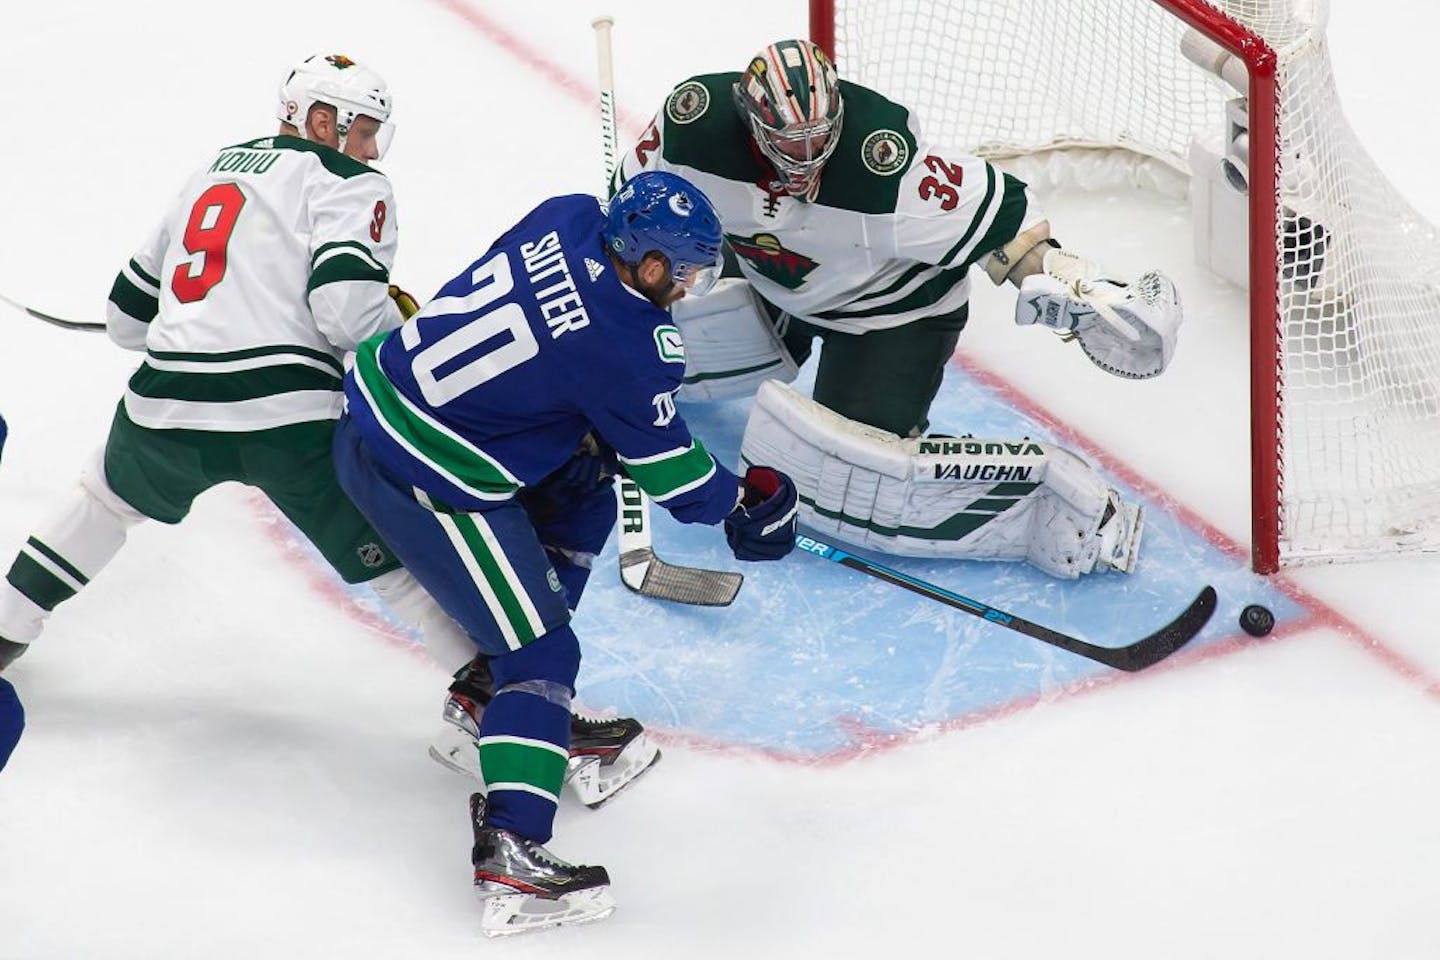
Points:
(272, 262)
(889, 237)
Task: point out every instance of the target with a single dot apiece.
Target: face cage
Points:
(800, 176)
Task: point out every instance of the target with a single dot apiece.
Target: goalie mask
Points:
(789, 97)
(336, 80)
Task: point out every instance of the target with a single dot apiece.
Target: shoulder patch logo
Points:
(688, 103)
(884, 152)
(669, 344)
(768, 257)
(594, 268)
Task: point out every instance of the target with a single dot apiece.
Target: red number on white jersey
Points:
(932, 187)
(207, 234)
(377, 221)
(649, 141)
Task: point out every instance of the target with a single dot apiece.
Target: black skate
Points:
(524, 887)
(605, 755)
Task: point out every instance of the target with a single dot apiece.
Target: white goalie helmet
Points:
(352, 89)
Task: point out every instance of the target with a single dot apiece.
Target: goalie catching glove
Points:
(1125, 329)
(762, 525)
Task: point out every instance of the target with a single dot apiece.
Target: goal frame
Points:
(1266, 329)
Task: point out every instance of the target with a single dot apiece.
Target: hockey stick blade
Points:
(1135, 656)
(646, 574)
(93, 326)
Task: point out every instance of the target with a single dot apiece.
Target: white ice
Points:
(225, 754)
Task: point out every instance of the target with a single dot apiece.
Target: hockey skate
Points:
(1119, 535)
(523, 887)
(605, 755)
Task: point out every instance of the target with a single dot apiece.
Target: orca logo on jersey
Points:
(669, 344)
(768, 256)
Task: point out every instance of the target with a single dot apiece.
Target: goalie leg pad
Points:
(731, 347)
(64, 553)
(939, 497)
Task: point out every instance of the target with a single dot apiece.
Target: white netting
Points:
(1358, 269)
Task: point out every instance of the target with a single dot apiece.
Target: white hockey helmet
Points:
(352, 89)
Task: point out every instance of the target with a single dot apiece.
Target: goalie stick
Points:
(93, 326)
(1142, 653)
(640, 569)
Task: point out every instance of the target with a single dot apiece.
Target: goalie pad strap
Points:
(930, 497)
(730, 345)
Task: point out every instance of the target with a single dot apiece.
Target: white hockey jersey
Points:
(272, 262)
(889, 237)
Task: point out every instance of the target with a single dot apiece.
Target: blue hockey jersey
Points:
(494, 384)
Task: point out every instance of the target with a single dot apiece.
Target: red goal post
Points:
(1331, 317)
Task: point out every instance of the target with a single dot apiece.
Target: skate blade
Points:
(506, 914)
(455, 749)
(595, 783)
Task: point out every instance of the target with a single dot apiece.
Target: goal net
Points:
(1236, 97)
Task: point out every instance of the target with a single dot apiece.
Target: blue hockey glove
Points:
(762, 525)
(593, 464)
(12, 720)
(3, 430)
(590, 468)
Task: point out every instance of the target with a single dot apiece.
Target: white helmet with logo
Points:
(352, 89)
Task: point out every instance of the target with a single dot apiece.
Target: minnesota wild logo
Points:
(339, 61)
(771, 260)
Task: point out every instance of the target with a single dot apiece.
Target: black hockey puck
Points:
(1256, 620)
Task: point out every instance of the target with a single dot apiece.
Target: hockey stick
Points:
(93, 326)
(1131, 657)
(640, 569)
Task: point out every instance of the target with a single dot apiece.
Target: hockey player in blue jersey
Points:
(476, 440)
(12, 715)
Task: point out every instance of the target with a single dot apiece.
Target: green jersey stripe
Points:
(671, 474)
(137, 275)
(132, 301)
(929, 293)
(345, 266)
(700, 377)
(327, 250)
(37, 583)
(983, 214)
(231, 356)
(332, 160)
(455, 459)
(956, 527)
(476, 570)
(64, 566)
(540, 767)
(1008, 220)
(230, 387)
(520, 616)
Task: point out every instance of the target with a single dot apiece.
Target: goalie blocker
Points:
(943, 497)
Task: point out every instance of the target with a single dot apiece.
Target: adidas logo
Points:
(593, 268)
